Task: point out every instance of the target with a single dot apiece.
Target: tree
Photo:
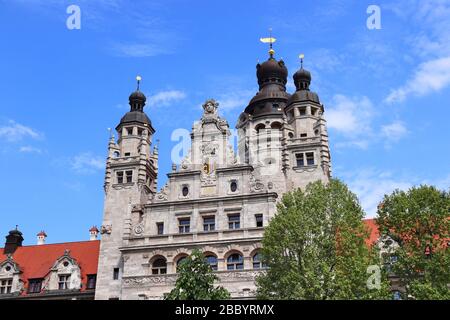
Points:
(315, 247)
(419, 221)
(196, 281)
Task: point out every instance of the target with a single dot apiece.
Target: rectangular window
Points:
(310, 158)
(91, 281)
(129, 175)
(234, 221)
(129, 131)
(259, 220)
(34, 285)
(140, 132)
(184, 225)
(209, 223)
(300, 159)
(5, 286)
(127, 154)
(116, 274)
(303, 135)
(119, 176)
(160, 227)
(302, 111)
(63, 282)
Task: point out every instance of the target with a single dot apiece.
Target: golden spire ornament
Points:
(270, 40)
(138, 79)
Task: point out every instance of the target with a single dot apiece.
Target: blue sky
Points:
(386, 92)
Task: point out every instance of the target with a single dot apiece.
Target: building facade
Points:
(215, 200)
(58, 271)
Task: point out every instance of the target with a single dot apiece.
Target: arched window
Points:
(180, 261)
(212, 261)
(159, 266)
(235, 262)
(257, 261)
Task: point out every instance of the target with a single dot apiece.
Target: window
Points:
(159, 266)
(119, 176)
(257, 263)
(140, 131)
(129, 131)
(184, 225)
(310, 158)
(116, 274)
(235, 262)
(300, 160)
(129, 175)
(63, 282)
(233, 186)
(303, 135)
(116, 154)
(127, 154)
(234, 221)
(34, 285)
(185, 191)
(291, 135)
(209, 223)
(212, 261)
(160, 227)
(91, 281)
(259, 220)
(5, 286)
(180, 261)
(302, 111)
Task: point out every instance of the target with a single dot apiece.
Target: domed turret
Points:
(137, 101)
(302, 81)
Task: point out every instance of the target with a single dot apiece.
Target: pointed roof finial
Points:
(301, 56)
(138, 79)
(270, 40)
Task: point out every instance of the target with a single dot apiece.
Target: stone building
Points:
(214, 199)
(58, 271)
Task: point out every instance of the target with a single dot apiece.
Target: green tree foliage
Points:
(419, 220)
(315, 247)
(196, 281)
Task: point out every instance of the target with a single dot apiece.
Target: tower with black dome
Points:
(130, 181)
(307, 149)
(261, 125)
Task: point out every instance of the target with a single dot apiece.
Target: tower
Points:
(261, 125)
(130, 180)
(307, 156)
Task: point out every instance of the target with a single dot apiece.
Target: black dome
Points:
(137, 96)
(271, 71)
(135, 116)
(302, 76)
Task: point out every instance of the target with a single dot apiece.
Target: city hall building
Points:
(216, 200)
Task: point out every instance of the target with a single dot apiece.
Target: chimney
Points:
(41, 237)
(93, 233)
(13, 240)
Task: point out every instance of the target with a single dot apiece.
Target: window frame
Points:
(35, 285)
(184, 228)
(209, 226)
(259, 216)
(63, 281)
(6, 286)
(235, 264)
(234, 224)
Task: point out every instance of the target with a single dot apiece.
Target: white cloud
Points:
(349, 115)
(165, 98)
(235, 99)
(14, 131)
(139, 50)
(431, 76)
(394, 131)
(30, 149)
(87, 163)
(371, 185)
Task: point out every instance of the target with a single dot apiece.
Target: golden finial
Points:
(138, 79)
(301, 56)
(270, 40)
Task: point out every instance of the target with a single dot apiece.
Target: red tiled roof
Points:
(374, 233)
(35, 261)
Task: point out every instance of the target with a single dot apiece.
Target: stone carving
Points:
(163, 194)
(256, 185)
(150, 280)
(139, 229)
(106, 229)
(210, 106)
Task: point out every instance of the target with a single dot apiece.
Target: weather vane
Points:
(138, 78)
(301, 56)
(270, 40)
